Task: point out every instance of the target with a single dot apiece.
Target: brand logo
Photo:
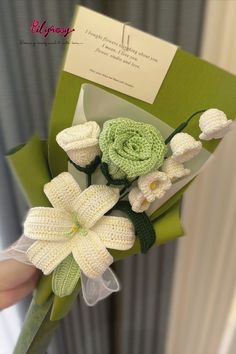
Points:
(44, 30)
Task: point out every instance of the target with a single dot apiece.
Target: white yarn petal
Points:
(115, 232)
(91, 254)
(48, 224)
(174, 169)
(213, 124)
(95, 290)
(63, 191)
(80, 142)
(17, 251)
(137, 200)
(154, 185)
(94, 202)
(46, 255)
(184, 147)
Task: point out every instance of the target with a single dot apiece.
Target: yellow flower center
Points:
(154, 185)
(77, 228)
(145, 202)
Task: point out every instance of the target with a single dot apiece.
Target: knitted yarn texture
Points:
(80, 142)
(138, 201)
(131, 148)
(174, 169)
(154, 185)
(213, 124)
(184, 147)
(76, 225)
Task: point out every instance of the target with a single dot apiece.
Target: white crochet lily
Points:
(174, 169)
(80, 142)
(137, 200)
(213, 124)
(76, 225)
(154, 185)
(184, 147)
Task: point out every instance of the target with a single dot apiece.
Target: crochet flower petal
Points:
(94, 202)
(80, 142)
(154, 185)
(184, 147)
(115, 232)
(91, 255)
(213, 124)
(48, 224)
(131, 148)
(174, 169)
(63, 191)
(79, 136)
(137, 200)
(46, 255)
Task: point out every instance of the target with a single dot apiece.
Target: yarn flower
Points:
(154, 185)
(174, 169)
(131, 148)
(137, 200)
(76, 226)
(184, 147)
(80, 142)
(213, 124)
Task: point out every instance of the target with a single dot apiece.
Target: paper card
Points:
(117, 55)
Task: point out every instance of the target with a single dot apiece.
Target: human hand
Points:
(17, 280)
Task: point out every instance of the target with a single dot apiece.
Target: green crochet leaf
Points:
(65, 277)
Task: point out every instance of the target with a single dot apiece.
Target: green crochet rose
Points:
(131, 148)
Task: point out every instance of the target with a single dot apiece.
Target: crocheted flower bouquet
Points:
(109, 182)
(72, 239)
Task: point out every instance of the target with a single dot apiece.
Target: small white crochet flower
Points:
(154, 185)
(174, 169)
(184, 147)
(76, 225)
(137, 200)
(213, 124)
(80, 142)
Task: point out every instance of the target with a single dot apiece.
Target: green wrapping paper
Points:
(190, 85)
(30, 166)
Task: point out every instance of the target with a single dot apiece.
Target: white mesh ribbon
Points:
(17, 251)
(97, 289)
(93, 290)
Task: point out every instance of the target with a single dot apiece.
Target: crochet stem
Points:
(182, 126)
(89, 179)
(124, 189)
(124, 195)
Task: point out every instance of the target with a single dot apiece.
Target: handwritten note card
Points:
(117, 55)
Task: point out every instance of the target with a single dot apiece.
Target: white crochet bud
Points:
(213, 124)
(174, 169)
(154, 185)
(184, 147)
(137, 200)
(80, 142)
